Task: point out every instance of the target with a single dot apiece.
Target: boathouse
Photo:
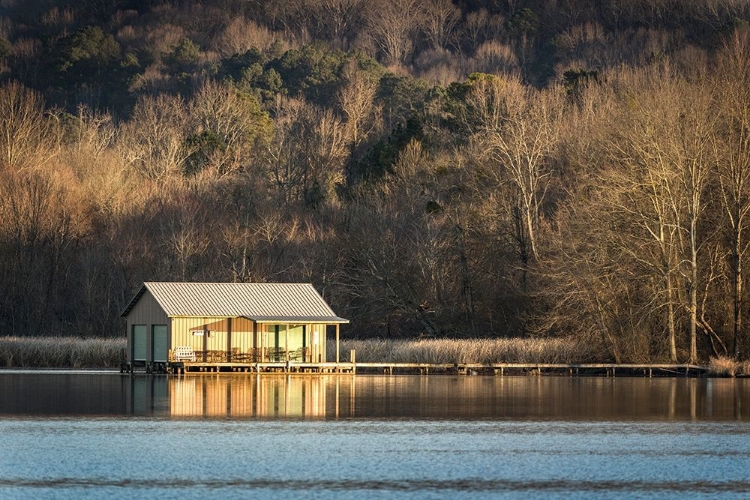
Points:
(228, 325)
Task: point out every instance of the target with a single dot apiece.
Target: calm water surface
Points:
(107, 435)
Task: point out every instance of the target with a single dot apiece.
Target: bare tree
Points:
(520, 133)
(643, 195)
(186, 241)
(357, 101)
(440, 20)
(94, 132)
(734, 162)
(25, 131)
(225, 129)
(335, 20)
(667, 144)
(306, 157)
(393, 25)
(38, 227)
(153, 141)
(241, 35)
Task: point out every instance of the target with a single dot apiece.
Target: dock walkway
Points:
(501, 369)
(610, 369)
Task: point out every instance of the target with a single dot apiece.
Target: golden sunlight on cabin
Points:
(234, 327)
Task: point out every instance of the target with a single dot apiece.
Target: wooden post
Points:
(262, 346)
(337, 344)
(352, 356)
(286, 343)
(205, 342)
(255, 342)
(229, 340)
(305, 342)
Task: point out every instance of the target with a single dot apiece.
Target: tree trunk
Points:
(737, 278)
(530, 228)
(693, 295)
(670, 319)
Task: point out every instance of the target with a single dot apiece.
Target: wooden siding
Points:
(182, 333)
(145, 312)
(242, 335)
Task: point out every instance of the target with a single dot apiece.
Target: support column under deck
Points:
(337, 343)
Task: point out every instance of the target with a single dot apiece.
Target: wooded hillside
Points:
(490, 168)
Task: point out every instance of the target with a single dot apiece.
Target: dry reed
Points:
(61, 352)
(723, 366)
(465, 351)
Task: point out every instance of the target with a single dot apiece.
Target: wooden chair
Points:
(277, 354)
(299, 355)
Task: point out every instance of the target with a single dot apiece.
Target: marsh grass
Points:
(466, 351)
(723, 366)
(61, 352)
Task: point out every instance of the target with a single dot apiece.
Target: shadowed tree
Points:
(393, 25)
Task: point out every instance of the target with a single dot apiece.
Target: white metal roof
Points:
(262, 302)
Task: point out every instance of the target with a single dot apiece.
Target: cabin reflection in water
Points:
(265, 396)
(443, 397)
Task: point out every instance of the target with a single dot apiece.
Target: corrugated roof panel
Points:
(266, 301)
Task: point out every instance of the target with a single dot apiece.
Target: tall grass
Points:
(61, 352)
(466, 351)
(723, 366)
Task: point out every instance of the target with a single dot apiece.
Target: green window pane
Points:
(159, 342)
(140, 347)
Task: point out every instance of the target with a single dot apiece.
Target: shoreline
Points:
(582, 370)
(425, 356)
(60, 371)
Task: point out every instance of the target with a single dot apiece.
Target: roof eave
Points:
(334, 320)
(133, 301)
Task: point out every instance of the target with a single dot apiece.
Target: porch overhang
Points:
(298, 320)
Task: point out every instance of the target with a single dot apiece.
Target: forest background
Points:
(496, 168)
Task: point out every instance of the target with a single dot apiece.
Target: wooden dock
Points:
(183, 367)
(608, 369)
(498, 369)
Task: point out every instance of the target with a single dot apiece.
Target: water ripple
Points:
(406, 485)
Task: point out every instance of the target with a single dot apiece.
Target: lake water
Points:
(112, 436)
